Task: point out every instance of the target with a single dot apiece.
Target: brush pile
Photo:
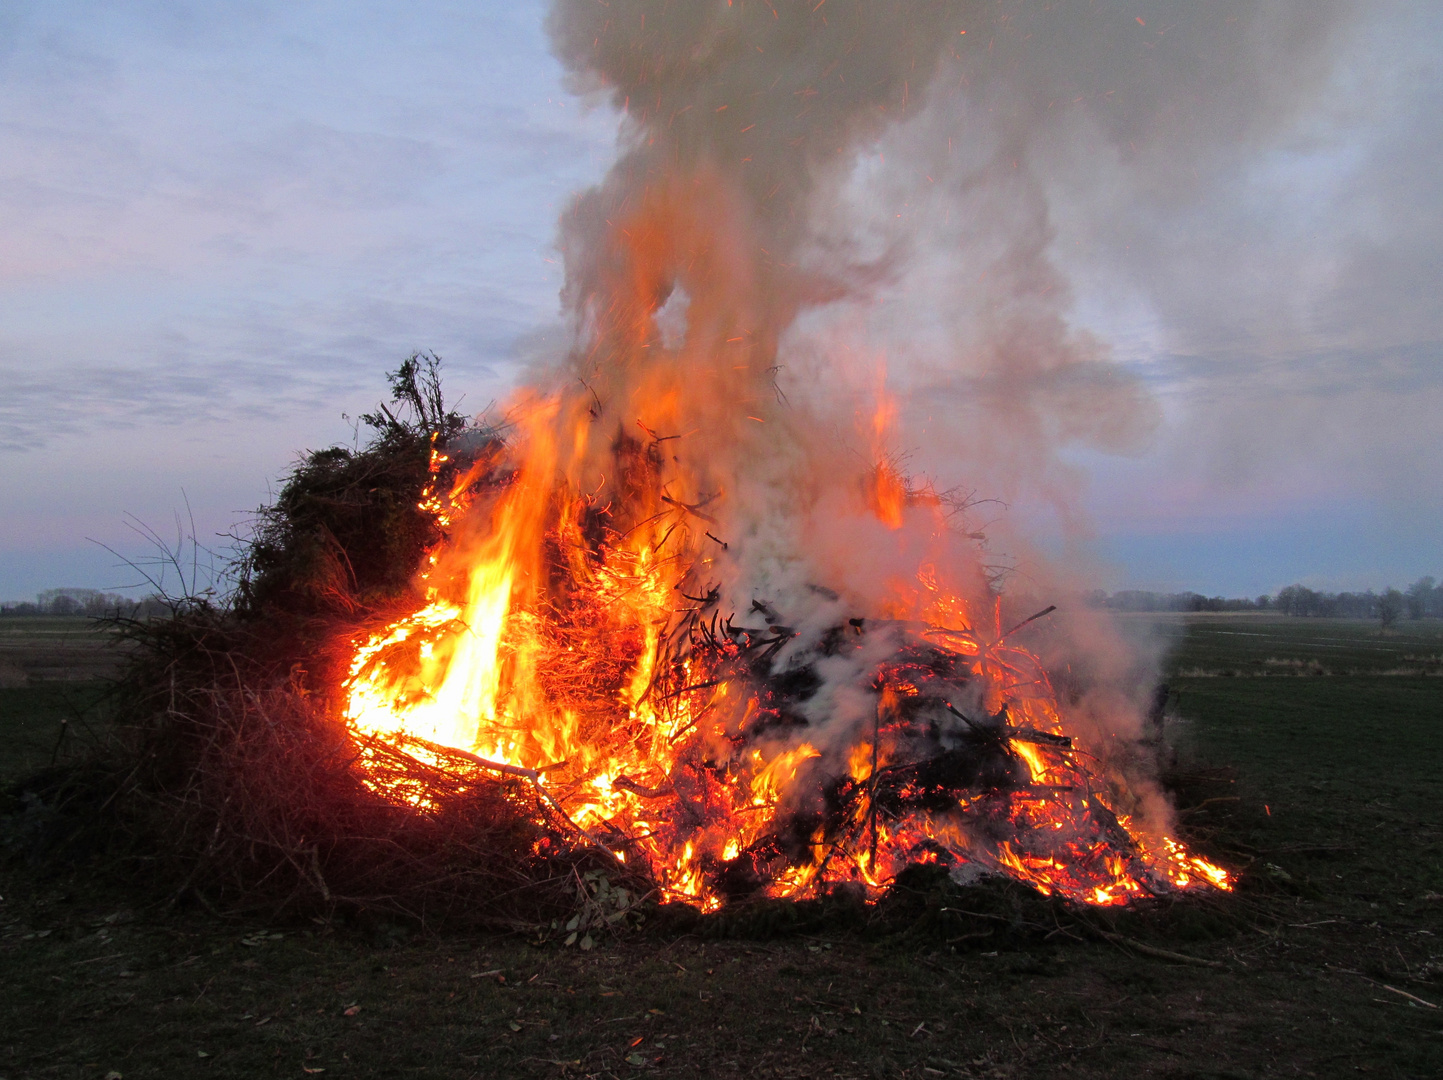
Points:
(235, 784)
(276, 753)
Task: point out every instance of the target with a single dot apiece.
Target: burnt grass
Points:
(1324, 791)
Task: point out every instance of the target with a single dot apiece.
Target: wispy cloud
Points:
(251, 210)
(215, 216)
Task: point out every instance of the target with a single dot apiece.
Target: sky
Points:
(222, 223)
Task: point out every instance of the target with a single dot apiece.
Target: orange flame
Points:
(562, 637)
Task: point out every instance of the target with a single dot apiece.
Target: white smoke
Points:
(819, 209)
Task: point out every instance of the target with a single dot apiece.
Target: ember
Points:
(720, 632)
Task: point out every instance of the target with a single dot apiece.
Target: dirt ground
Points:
(91, 991)
(1328, 961)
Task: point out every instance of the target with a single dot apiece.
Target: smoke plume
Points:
(851, 184)
(827, 258)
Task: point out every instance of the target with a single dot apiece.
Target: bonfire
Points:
(599, 638)
(681, 604)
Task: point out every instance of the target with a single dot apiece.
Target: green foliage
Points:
(416, 391)
(346, 531)
(600, 907)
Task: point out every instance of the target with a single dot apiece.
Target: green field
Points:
(54, 648)
(1314, 750)
(1257, 645)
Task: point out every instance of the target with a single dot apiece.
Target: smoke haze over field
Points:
(1203, 236)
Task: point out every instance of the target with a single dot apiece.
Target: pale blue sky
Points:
(221, 223)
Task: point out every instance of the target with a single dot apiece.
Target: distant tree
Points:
(1297, 600)
(1420, 594)
(1135, 600)
(1390, 607)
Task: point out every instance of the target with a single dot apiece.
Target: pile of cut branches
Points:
(236, 784)
(242, 783)
(231, 781)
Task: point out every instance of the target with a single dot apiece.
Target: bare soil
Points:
(1325, 791)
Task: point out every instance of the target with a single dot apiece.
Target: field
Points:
(1315, 751)
(53, 649)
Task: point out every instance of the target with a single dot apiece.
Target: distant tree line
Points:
(1422, 599)
(1141, 600)
(90, 602)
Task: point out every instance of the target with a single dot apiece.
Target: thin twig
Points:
(1031, 618)
(528, 774)
(1161, 954)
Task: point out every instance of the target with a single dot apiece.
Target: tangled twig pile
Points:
(243, 787)
(236, 780)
